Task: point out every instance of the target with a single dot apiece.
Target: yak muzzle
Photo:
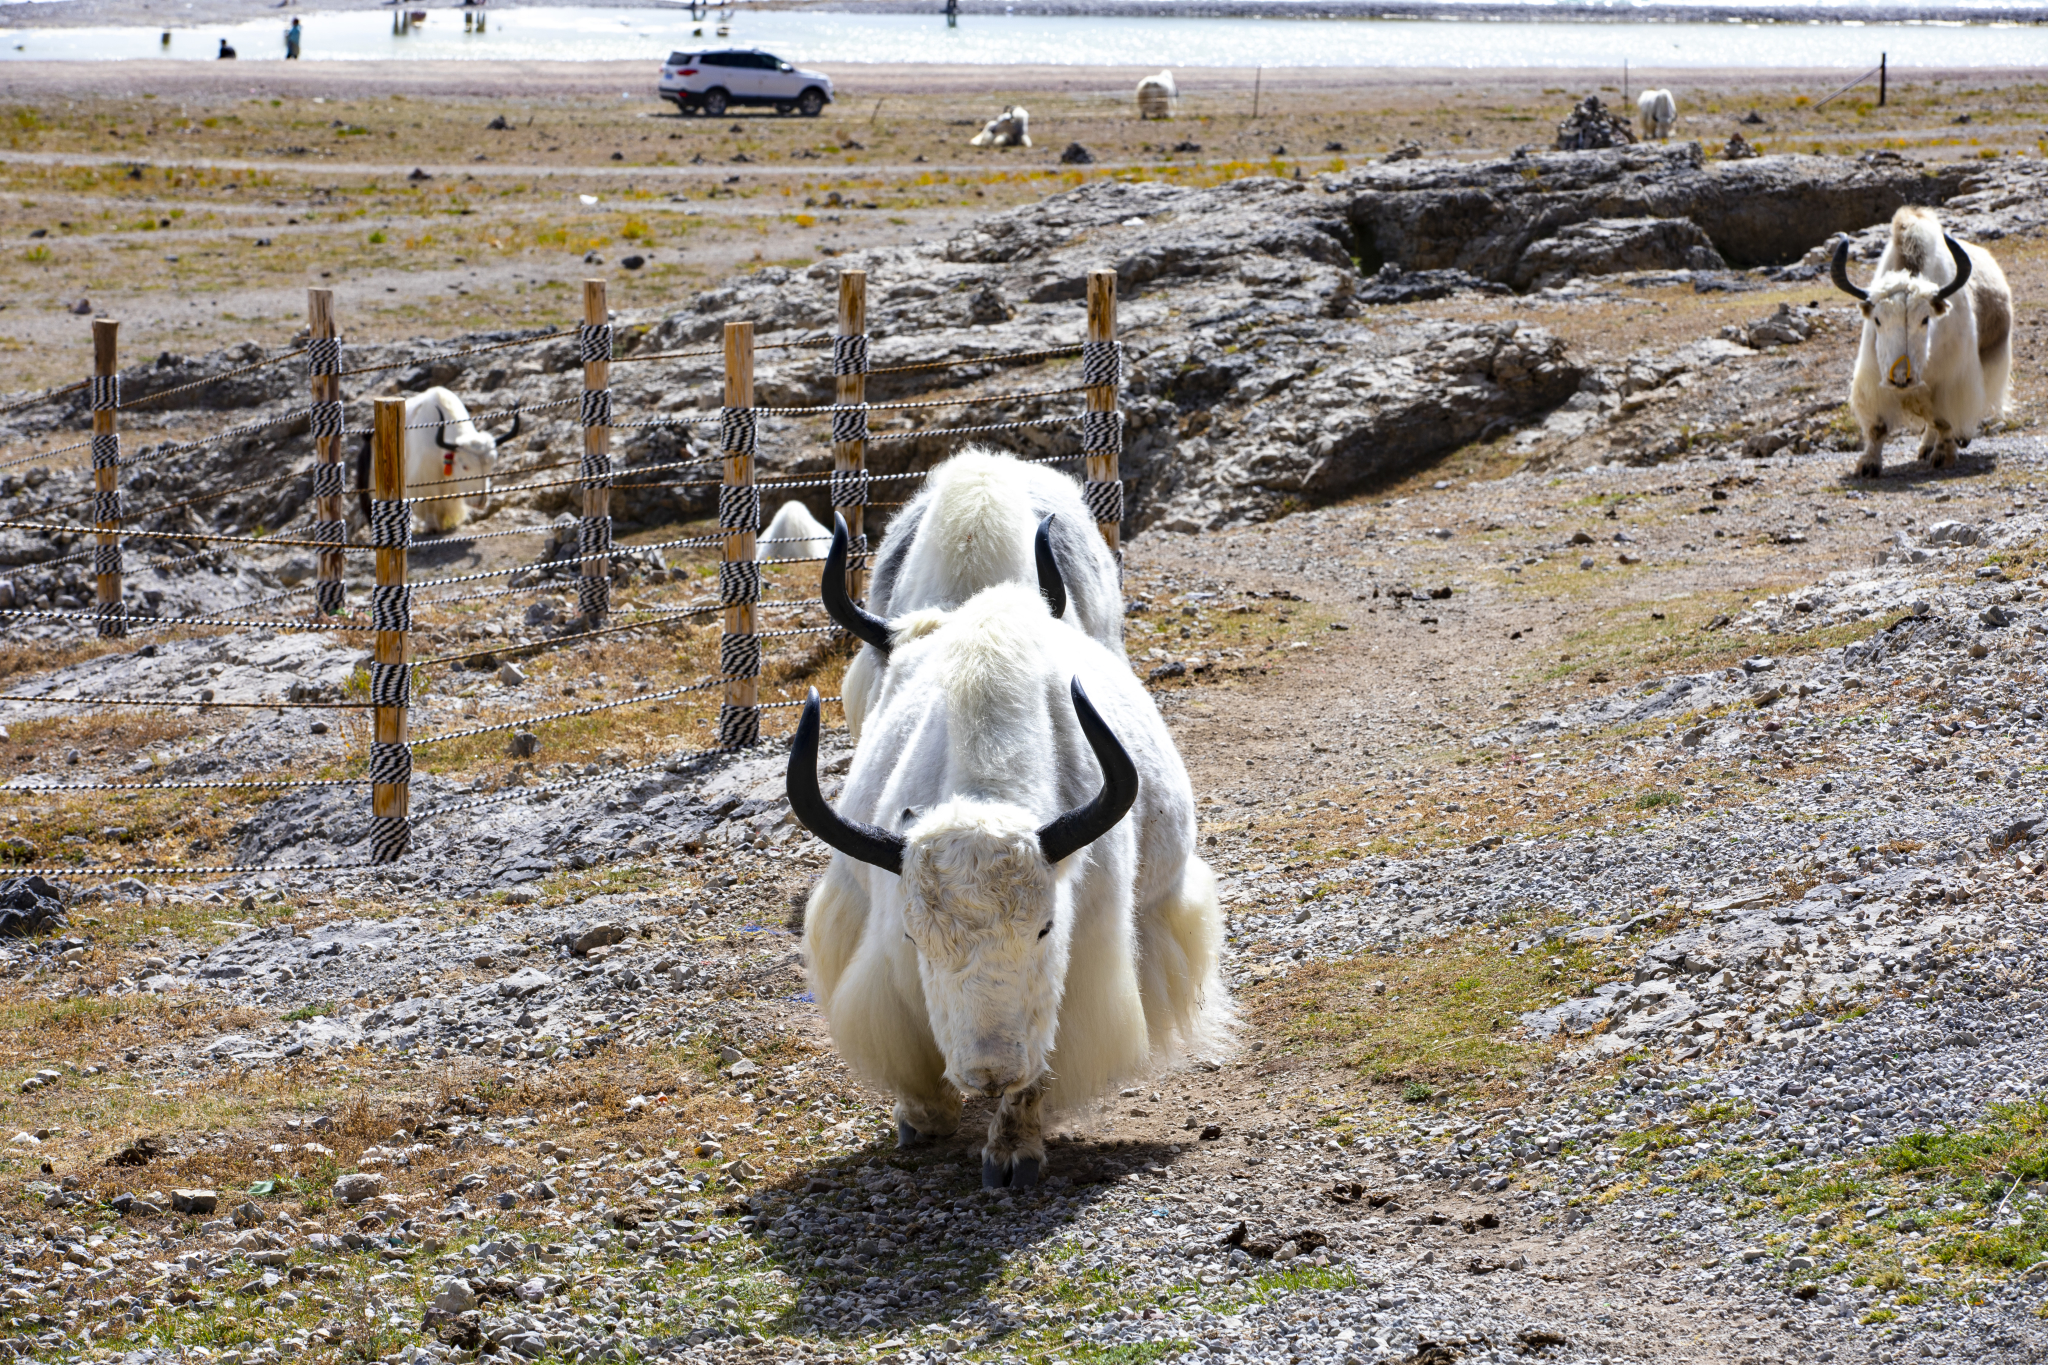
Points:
(1902, 373)
(992, 1081)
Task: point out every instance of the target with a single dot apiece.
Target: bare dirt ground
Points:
(1326, 718)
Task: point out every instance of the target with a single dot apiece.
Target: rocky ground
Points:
(1627, 824)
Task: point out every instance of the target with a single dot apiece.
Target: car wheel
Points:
(713, 102)
(811, 103)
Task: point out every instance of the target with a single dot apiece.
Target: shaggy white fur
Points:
(793, 534)
(469, 465)
(1658, 111)
(982, 967)
(1943, 367)
(970, 528)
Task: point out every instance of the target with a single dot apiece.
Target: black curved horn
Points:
(441, 437)
(363, 477)
(1051, 586)
(865, 842)
(1078, 828)
(839, 604)
(1963, 268)
(518, 425)
(1839, 268)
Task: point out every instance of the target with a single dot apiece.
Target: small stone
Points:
(1585, 561)
(523, 744)
(453, 1296)
(507, 1200)
(509, 675)
(358, 1186)
(194, 1201)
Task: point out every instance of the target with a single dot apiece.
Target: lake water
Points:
(549, 34)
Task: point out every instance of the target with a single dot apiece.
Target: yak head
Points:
(1900, 307)
(470, 453)
(985, 904)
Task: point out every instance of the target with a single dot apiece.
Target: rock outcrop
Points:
(1484, 217)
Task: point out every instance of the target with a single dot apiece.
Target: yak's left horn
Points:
(518, 425)
(1963, 268)
(853, 618)
(1078, 828)
(441, 437)
(1051, 586)
(868, 843)
(1839, 268)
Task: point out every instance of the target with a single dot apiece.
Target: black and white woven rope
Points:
(597, 408)
(738, 726)
(738, 431)
(330, 595)
(390, 684)
(18, 786)
(849, 423)
(594, 596)
(45, 454)
(1105, 499)
(106, 450)
(739, 507)
(525, 721)
(849, 487)
(103, 392)
(1102, 363)
(739, 582)
(739, 656)
(390, 524)
(330, 480)
(391, 606)
(326, 420)
(390, 838)
(323, 357)
(1102, 433)
(850, 355)
(390, 764)
(106, 558)
(594, 342)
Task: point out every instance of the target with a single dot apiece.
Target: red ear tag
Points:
(448, 465)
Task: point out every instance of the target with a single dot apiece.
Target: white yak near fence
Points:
(975, 524)
(1937, 340)
(1157, 95)
(1011, 128)
(1659, 113)
(993, 923)
(793, 534)
(445, 453)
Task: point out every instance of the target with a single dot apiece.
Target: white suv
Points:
(712, 82)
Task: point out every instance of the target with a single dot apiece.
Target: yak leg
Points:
(920, 1118)
(1871, 466)
(1938, 447)
(1015, 1153)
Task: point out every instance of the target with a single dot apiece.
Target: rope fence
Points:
(587, 553)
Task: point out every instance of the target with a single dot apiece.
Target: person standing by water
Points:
(227, 53)
(291, 41)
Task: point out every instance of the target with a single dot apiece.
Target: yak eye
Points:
(1046, 930)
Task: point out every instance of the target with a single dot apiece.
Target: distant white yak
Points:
(993, 924)
(1937, 340)
(1156, 96)
(793, 534)
(979, 520)
(1659, 113)
(1011, 128)
(445, 453)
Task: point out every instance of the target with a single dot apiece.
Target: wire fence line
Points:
(585, 552)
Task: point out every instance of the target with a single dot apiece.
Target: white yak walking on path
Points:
(448, 458)
(993, 924)
(974, 524)
(793, 534)
(1659, 113)
(1156, 96)
(1936, 352)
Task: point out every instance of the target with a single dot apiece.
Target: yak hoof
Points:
(994, 1176)
(1024, 1173)
(908, 1136)
(1870, 469)
(1963, 442)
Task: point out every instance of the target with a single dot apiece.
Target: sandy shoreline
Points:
(180, 14)
(339, 79)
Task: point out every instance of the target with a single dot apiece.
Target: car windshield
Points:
(680, 59)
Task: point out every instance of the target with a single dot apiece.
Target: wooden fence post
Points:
(1102, 430)
(391, 618)
(739, 521)
(594, 338)
(850, 423)
(105, 391)
(330, 477)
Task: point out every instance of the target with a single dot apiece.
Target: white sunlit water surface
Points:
(554, 34)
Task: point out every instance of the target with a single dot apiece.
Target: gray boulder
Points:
(1610, 246)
